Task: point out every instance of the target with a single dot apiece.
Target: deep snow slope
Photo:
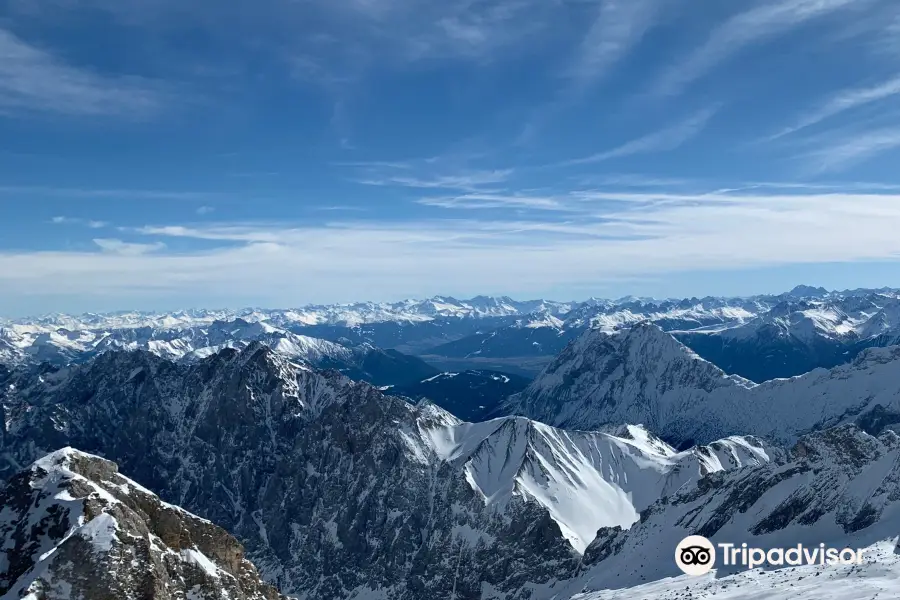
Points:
(840, 487)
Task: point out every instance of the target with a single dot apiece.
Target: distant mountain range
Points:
(340, 468)
(759, 338)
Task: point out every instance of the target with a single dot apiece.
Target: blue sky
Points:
(158, 154)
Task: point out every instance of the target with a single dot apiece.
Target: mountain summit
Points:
(644, 375)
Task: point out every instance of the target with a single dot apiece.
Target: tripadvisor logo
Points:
(696, 555)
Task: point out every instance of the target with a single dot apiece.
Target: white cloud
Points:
(843, 101)
(114, 246)
(467, 181)
(205, 210)
(33, 80)
(665, 139)
(841, 154)
(618, 27)
(481, 200)
(671, 233)
(93, 224)
(744, 29)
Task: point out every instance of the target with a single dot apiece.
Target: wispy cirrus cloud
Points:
(466, 181)
(839, 154)
(668, 138)
(93, 224)
(33, 80)
(117, 246)
(481, 200)
(618, 27)
(742, 30)
(842, 101)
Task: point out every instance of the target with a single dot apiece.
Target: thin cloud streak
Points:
(665, 139)
(844, 101)
(33, 81)
(116, 246)
(93, 224)
(742, 30)
(842, 154)
(619, 27)
(470, 181)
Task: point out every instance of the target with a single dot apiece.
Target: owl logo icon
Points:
(695, 555)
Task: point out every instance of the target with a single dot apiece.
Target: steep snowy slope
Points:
(337, 490)
(840, 488)
(72, 527)
(585, 480)
(643, 375)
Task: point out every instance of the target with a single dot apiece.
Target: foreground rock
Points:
(72, 527)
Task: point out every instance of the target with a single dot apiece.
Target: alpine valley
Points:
(480, 449)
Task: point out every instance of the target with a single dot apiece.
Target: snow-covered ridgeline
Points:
(644, 375)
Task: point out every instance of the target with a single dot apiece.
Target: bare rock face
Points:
(72, 527)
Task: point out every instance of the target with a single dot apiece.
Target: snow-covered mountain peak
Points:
(592, 382)
(586, 480)
(643, 375)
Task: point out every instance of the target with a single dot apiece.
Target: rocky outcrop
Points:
(73, 527)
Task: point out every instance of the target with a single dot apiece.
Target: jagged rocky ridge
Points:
(644, 375)
(839, 487)
(72, 527)
(337, 490)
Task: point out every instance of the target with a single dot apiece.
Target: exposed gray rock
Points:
(72, 527)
